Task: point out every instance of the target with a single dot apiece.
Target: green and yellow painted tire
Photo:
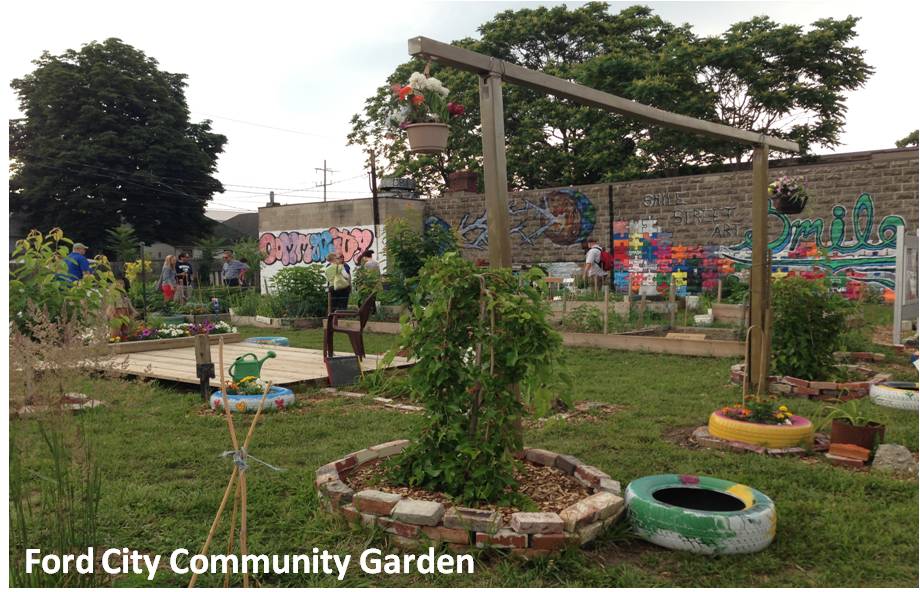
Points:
(897, 395)
(770, 436)
(704, 532)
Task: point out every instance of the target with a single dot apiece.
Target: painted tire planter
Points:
(269, 340)
(770, 436)
(898, 395)
(702, 515)
(278, 398)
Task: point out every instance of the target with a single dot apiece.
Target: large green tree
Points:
(106, 140)
(759, 75)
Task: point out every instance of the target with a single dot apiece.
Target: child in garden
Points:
(168, 282)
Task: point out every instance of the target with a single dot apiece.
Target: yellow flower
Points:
(241, 406)
(247, 379)
(783, 408)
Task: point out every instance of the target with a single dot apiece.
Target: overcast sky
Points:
(282, 79)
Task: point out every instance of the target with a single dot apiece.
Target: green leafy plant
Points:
(366, 282)
(809, 321)
(122, 242)
(856, 412)
(478, 333)
(300, 291)
(407, 251)
(38, 273)
(585, 319)
(210, 247)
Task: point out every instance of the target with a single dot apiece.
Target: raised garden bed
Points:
(577, 503)
(819, 389)
(128, 347)
(276, 322)
(201, 318)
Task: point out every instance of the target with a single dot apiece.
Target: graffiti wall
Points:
(281, 249)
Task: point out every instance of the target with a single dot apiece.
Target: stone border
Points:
(413, 523)
(702, 437)
(817, 389)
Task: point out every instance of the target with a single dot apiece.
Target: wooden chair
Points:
(356, 336)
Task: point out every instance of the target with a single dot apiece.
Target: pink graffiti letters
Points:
(291, 248)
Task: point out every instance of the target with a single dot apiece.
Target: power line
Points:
(271, 127)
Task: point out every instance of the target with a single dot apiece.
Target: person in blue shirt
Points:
(77, 263)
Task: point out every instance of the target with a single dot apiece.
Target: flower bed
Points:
(732, 424)
(412, 522)
(819, 389)
(143, 333)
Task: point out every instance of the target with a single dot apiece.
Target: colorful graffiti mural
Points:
(294, 247)
(564, 216)
(853, 253)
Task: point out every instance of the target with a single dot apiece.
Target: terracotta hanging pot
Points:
(427, 138)
(867, 436)
(785, 205)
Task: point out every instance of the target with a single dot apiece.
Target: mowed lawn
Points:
(164, 476)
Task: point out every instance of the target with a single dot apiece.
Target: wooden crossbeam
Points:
(464, 59)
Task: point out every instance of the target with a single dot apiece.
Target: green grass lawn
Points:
(163, 478)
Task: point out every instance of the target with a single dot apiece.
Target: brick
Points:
(419, 512)
(530, 553)
(448, 535)
(541, 457)
(795, 381)
(589, 476)
(389, 448)
(350, 513)
(745, 447)
(567, 463)
(780, 388)
(588, 533)
(880, 378)
(536, 522)
(822, 385)
(362, 456)
(398, 527)
(610, 486)
(327, 469)
(337, 493)
(346, 463)
(519, 454)
(472, 519)
(371, 501)
(505, 538)
(850, 451)
(404, 542)
(596, 507)
(368, 520)
(845, 461)
(325, 478)
(549, 541)
(804, 391)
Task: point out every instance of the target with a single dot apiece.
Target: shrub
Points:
(407, 251)
(585, 319)
(479, 334)
(809, 322)
(300, 291)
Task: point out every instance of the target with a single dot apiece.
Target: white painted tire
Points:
(891, 394)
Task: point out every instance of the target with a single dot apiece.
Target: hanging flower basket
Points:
(786, 205)
(789, 194)
(427, 138)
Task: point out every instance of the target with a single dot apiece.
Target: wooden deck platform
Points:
(292, 365)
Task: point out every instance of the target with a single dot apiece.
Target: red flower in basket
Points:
(455, 109)
(418, 99)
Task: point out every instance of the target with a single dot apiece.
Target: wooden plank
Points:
(156, 344)
(691, 336)
(464, 59)
(495, 170)
(760, 275)
(684, 347)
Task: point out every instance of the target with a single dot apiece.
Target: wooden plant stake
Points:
(237, 476)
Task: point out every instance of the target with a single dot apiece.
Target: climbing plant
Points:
(480, 335)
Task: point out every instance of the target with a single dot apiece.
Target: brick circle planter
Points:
(412, 523)
(818, 389)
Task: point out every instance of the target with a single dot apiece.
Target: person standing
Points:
(185, 274)
(167, 282)
(77, 263)
(367, 261)
(338, 280)
(234, 272)
(593, 272)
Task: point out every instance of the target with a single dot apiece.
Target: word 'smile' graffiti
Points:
(291, 248)
(565, 217)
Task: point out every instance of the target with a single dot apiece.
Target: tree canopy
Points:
(910, 139)
(758, 75)
(106, 140)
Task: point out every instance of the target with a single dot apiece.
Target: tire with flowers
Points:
(688, 526)
(278, 398)
(798, 431)
(897, 395)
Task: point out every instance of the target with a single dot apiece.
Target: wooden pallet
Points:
(291, 366)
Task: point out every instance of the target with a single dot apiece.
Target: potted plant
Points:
(854, 423)
(762, 422)
(789, 195)
(420, 107)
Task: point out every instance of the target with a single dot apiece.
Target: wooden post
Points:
(719, 292)
(495, 169)
(760, 275)
(563, 305)
(204, 368)
(642, 311)
(672, 303)
(606, 306)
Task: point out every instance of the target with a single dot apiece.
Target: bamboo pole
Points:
(606, 306)
(236, 507)
(216, 521)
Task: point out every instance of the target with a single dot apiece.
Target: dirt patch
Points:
(550, 489)
(583, 412)
(681, 437)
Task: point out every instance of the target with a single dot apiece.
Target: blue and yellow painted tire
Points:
(758, 434)
(897, 395)
(269, 340)
(701, 531)
(278, 398)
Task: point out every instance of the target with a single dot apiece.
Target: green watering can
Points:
(243, 367)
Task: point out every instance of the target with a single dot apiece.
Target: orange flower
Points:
(404, 92)
(418, 99)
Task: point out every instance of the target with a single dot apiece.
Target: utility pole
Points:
(375, 202)
(325, 170)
